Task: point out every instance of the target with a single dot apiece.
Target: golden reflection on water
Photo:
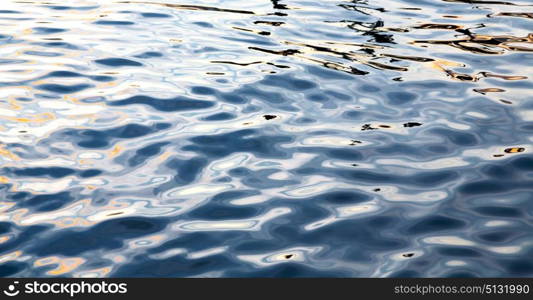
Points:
(64, 265)
(4, 239)
(10, 256)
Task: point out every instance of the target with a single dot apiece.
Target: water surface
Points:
(378, 138)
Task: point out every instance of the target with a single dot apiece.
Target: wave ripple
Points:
(362, 138)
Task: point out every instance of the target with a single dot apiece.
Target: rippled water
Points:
(325, 138)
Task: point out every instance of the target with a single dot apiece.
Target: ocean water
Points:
(305, 138)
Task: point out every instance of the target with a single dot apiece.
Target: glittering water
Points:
(253, 138)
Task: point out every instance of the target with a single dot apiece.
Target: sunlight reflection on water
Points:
(266, 138)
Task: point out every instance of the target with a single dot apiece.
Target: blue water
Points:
(306, 138)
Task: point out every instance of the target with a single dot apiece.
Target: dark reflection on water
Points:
(266, 138)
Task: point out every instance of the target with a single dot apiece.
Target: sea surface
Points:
(305, 138)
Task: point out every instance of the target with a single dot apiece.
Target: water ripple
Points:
(362, 138)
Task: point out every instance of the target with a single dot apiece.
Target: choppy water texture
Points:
(327, 138)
